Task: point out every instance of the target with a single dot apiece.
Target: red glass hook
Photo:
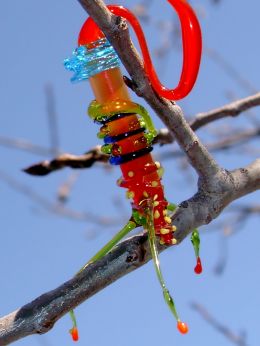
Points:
(192, 46)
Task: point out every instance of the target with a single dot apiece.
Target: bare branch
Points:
(217, 188)
(65, 188)
(246, 209)
(212, 197)
(230, 69)
(52, 119)
(25, 145)
(68, 160)
(225, 331)
(236, 139)
(232, 109)
(55, 208)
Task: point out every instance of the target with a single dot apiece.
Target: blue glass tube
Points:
(89, 61)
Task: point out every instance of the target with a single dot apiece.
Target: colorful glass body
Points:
(129, 146)
(141, 175)
(128, 132)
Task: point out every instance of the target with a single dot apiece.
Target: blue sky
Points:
(40, 249)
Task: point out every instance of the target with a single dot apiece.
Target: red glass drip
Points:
(198, 268)
(74, 334)
(182, 327)
(192, 46)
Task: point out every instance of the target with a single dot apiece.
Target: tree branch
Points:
(216, 189)
(54, 207)
(232, 109)
(40, 315)
(238, 340)
(86, 160)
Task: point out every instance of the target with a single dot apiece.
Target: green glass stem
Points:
(73, 318)
(154, 251)
(109, 246)
(195, 239)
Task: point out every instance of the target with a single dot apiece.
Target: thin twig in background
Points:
(65, 188)
(231, 225)
(248, 209)
(238, 213)
(237, 339)
(230, 69)
(221, 262)
(56, 208)
(25, 145)
(232, 109)
(52, 119)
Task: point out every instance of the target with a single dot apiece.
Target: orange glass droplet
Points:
(74, 334)
(182, 327)
(198, 268)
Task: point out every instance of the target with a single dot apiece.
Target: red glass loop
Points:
(192, 46)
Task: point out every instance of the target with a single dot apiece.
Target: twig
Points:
(221, 262)
(248, 209)
(225, 331)
(23, 144)
(68, 160)
(55, 208)
(232, 109)
(237, 139)
(65, 188)
(229, 69)
(52, 119)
